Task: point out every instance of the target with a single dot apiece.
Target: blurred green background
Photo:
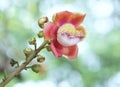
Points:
(98, 62)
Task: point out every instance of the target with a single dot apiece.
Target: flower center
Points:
(68, 35)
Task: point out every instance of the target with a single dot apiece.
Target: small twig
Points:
(23, 66)
(35, 46)
(5, 75)
(27, 67)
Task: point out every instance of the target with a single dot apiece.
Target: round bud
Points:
(40, 58)
(27, 51)
(36, 68)
(42, 21)
(48, 48)
(32, 41)
(40, 34)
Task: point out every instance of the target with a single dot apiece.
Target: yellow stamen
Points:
(66, 28)
(69, 28)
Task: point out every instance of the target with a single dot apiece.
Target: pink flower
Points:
(65, 32)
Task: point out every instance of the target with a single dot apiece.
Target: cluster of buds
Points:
(41, 23)
(32, 41)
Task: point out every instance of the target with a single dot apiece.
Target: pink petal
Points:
(56, 48)
(76, 19)
(50, 31)
(71, 51)
(62, 17)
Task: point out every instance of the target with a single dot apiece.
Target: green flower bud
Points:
(40, 34)
(27, 51)
(48, 48)
(42, 21)
(40, 58)
(36, 68)
(32, 41)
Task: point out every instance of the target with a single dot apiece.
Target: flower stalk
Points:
(23, 66)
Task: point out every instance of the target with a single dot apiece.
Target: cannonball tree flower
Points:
(65, 32)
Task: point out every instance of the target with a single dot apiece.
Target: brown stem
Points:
(23, 66)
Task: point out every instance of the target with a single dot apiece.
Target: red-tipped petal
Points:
(50, 31)
(76, 19)
(56, 48)
(71, 52)
(62, 17)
